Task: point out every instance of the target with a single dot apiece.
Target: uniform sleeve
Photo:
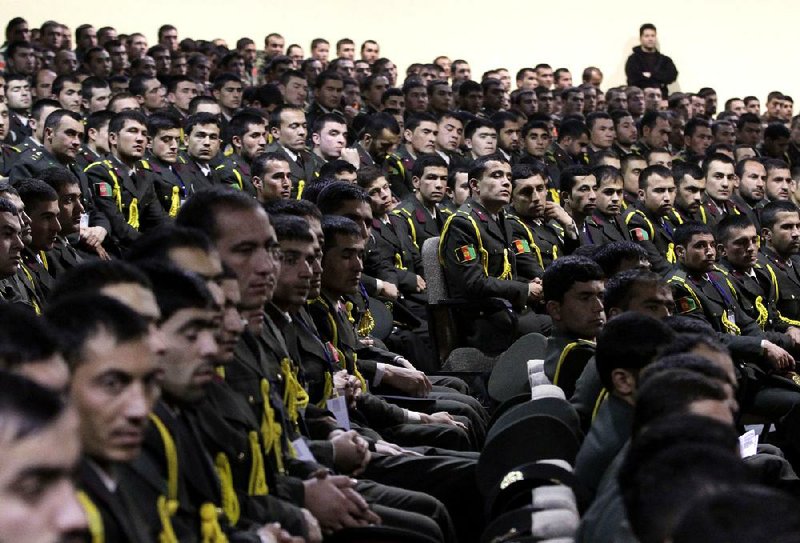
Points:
(102, 187)
(464, 271)
(152, 214)
(640, 233)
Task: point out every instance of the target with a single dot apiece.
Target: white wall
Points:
(739, 47)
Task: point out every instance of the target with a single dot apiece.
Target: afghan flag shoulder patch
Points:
(466, 253)
(640, 234)
(103, 189)
(521, 246)
(686, 304)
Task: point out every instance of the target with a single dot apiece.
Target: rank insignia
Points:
(466, 253)
(686, 304)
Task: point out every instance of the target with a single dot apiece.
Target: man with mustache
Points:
(124, 194)
(248, 134)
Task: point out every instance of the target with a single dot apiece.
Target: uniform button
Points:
(280, 377)
(251, 399)
(240, 456)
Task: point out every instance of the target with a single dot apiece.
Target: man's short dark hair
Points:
(198, 119)
(335, 225)
(646, 26)
(200, 210)
(332, 197)
(769, 214)
(564, 272)
(620, 287)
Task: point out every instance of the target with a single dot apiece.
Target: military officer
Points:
(288, 129)
(424, 211)
(605, 225)
(248, 133)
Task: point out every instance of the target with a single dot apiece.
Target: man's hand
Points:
(794, 334)
(777, 356)
(312, 527)
(334, 503)
(389, 290)
(421, 285)
(392, 449)
(350, 452)
(535, 290)
(351, 156)
(93, 236)
(442, 417)
(411, 382)
(273, 533)
(554, 211)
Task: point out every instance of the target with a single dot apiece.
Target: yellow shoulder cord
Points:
(412, 230)
(532, 241)
(210, 530)
(774, 279)
(554, 195)
(238, 178)
(295, 396)
(133, 214)
(506, 273)
(691, 291)
(167, 505)
(93, 517)
(358, 374)
(564, 354)
(349, 309)
(763, 314)
(87, 168)
(117, 191)
(670, 256)
(729, 325)
(703, 215)
(271, 431)
(230, 502)
(175, 202)
(600, 399)
(327, 391)
(36, 305)
(257, 484)
(649, 225)
(43, 256)
(300, 186)
(445, 228)
(398, 262)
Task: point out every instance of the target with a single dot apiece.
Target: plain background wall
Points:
(738, 47)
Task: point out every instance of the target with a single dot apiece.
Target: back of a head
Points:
(743, 514)
(565, 272)
(200, 210)
(26, 408)
(176, 289)
(24, 337)
(155, 245)
(629, 341)
(332, 197)
(93, 276)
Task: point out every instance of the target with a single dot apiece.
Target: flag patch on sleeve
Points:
(686, 304)
(521, 246)
(466, 253)
(640, 234)
(103, 190)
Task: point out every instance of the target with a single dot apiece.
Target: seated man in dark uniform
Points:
(424, 210)
(573, 294)
(605, 225)
(479, 259)
(780, 229)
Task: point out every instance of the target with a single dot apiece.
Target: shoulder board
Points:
(220, 167)
(92, 165)
(145, 164)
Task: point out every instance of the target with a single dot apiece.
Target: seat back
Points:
(434, 274)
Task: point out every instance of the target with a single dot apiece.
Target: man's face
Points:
(779, 184)
(574, 103)
(636, 102)
(100, 64)
(483, 141)
(472, 102)
(647, 39)
(165, 145)
(417, 100)
(20, 32)
(700, 141)
(254, 141)
(191, 352)
(3, 120)
(659, 195)
(602, 135)
(99, 100)
(583, 197)
(70, 209)
(18, 95)
(296, 91)
(229, 96)
(119, 58)
(346, 68)
(493, 98)
(276, 182)
(10, 244)
(787, 110)
(699, 255)
(24, 219)
(331, 139)
(462, 71)
(154, 96)
(275, 44)
(330, 94)
(70, 97)
(130, 141)
(618, 100)
(450, 135)
(294, 281)
(737, 106)
(530, 196)
(726, 134)
(544, 77)
(442, 98)
(246, 243)
(581, 312)
(652, 98)
(528, 81)
(528, 103)
(609, 197)
(36, 484)
(342, 265)
(626, 131)
(370, 52)
(537, 141)
(293, 130)
(508, 138)
(652, 299)
(423, 137)
(658, 135)
(753, 181)
(44, 83)
(64, 141)
(362, 70)
(493, 189)
(784, 236)
(432, 185)
(24, 61)
(200, 70)
(184, 92)
(720, 180)
(203, 142)
(44, 225)
(137, 47)
(774, 107)
(231, 326)
(376, 90)
(741, 248)
(113, 388)
(564, 80)
(461, 190)
(164, 62)
(750, 134)
(575, 147)
(382, 145)
(179, 65)
(660, 159)
(689, 196)
(776, 147)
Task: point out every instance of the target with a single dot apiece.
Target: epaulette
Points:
(36, 155)
(145, 164)
(92, 165)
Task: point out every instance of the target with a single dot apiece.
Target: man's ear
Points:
(641, 195)
(624, 381)
(553, 309)
(415, 182)
(468, 143)
(473, 186)
(315, 138)
(366, 140)
(84, 103)
(407, 135)
(721, 250)
(275, 132)
(680, 251)
(613, 312)
(236, 141)
(766, 234)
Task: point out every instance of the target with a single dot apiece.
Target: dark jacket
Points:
(660, 67)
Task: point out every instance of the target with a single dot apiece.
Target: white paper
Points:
(302, 450)
(748, 444)
(338, 406)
